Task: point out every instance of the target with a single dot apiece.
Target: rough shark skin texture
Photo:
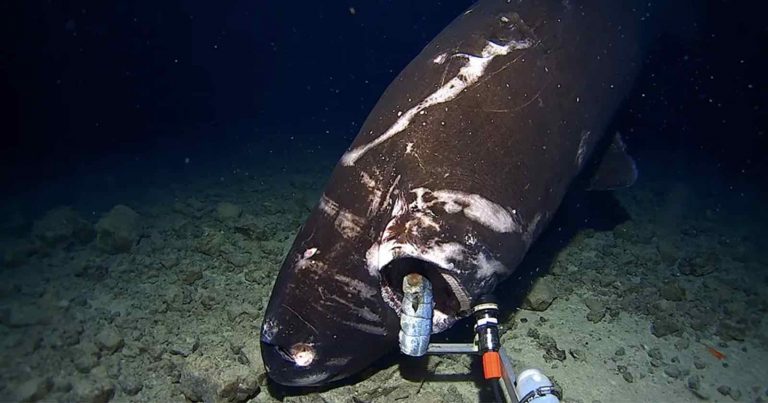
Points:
(458, 168)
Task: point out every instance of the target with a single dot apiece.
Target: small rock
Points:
(596, 309)
(190, 207)
(541, 295)
(672, 371)
(693, 382)
(734, 309)
(256, 229)
(226, 211)
(205, 381)
(238, 259)
(664, 326)
(620, 352)
(628, 377)
(130, 386)
(245, 310)
(60, 226)
(23, 316)
(451, 395)
(682, 343)
(731, 329)
(34, 389)
(109, 340)
(655, 353)
(185, 347)
(191, 274)
(18, 253)
(672, 292)
(118, 230)
(169, 261)
(699, 265)
(577, 355)
(724, 390)
(551, 351)
(93, 390)
(62, 385)
(258, 274)
(93, 269)
(210, 244)
(668, 251)
(84, 363)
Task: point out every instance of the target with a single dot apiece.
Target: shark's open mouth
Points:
(451, 302)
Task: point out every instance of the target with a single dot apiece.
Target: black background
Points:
(87, 80)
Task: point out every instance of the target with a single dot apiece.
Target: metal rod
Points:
(453, 348)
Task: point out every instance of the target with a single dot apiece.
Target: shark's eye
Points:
(303, 354)
(285, 354)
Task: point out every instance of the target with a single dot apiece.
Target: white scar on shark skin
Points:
(468, 75)
(328, 206)
(268, 330)
(533, 227)
(358, 286)
(583, 142)
(363, 312)
(311, 379)
(374, 197)
(348, 224)
(474, 207)
(367, 181)
(487, 266)
(387, 198)
(366, 328)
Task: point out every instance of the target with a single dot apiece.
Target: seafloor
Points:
(150, 287)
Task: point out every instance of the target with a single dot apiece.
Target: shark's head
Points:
(334, 307)
(326, 319)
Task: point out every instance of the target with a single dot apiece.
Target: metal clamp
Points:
(416, 329)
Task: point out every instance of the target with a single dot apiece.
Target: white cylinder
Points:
(531, 380)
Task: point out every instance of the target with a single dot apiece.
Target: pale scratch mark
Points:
(507, 64)
(467, 77)
(409, 150)
(442, 60)
(348, 224)
(299, 316)
(322, 295)
(366, 328)
(389, 192)
(535, 97)
(477, 84)
(528, 102)
(502, 68)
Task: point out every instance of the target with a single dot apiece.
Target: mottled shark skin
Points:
(457, 170)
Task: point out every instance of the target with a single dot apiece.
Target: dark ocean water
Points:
(157, 160)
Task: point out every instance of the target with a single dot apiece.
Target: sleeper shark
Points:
(456, 171)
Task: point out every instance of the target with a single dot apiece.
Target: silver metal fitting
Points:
(416, 315)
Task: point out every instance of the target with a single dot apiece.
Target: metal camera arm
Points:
(416, 327)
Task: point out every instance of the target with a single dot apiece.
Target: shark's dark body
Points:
(458, 168)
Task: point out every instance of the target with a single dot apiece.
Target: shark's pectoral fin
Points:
(615, 169)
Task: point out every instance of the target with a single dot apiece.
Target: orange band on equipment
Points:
(492, 365)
